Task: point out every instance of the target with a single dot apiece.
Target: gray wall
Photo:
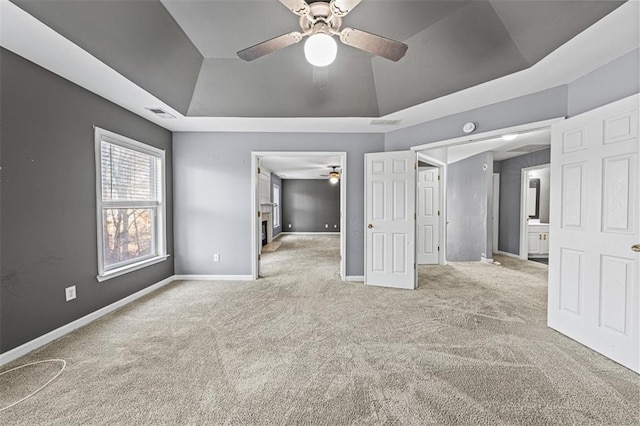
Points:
(616, 80)
(510, 188)
(469, 200)
(308, 205)
(275, 180)
(212, 184)
(539, 106)
(48, 212)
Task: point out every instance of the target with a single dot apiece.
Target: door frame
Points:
(442, 228)
(521, 128)
(255, 220)
(496, 212)
(524, 234)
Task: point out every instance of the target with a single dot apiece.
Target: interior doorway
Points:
(430, 211)
(534, 213)
(517, 146)
(270, 172)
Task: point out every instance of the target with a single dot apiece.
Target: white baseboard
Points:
(486, 260)
(213, 278)
(504, 253)
(355, 278)
(68, 328)
(310, 233)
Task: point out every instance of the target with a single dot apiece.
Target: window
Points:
(276, 206)
(130, 204)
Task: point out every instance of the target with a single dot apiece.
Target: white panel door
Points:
(594, 294)
(390, 188)
(428, 212)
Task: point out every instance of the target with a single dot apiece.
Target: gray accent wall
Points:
(212, 184)
(310, 205)
(469, 203)
(48, 214)
(510, 188)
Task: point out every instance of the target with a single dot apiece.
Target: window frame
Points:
(158, 234)
(277, 212)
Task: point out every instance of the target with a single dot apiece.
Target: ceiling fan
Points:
(334, 175)
(320, 21)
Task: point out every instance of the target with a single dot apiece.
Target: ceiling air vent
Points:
(383, 122)
(161, 113)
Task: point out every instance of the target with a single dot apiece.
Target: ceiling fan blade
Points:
(385, 47)
(299, 7)
(269, 46)
(342, 7)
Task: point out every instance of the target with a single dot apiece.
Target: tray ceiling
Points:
(183, 51)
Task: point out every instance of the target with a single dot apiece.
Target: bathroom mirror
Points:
(533, 199)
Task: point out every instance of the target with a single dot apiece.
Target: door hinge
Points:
(259, 256)
(259, 214)
(438, 248)
(438, 212)
(438, 177)
(259, 170)
(415, 166)
(414, 216)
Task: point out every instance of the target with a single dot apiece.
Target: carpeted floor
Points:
(299, 346)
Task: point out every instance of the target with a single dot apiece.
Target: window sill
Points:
(130, 268)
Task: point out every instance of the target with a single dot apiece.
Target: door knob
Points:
(371, 226)
(635, 247)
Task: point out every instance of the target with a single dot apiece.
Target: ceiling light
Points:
(334, 175)
(320, 50)
(510, 137)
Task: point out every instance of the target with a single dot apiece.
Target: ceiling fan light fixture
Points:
(320, 50)
(334, 179)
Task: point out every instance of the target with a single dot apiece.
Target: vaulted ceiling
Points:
(184, 51)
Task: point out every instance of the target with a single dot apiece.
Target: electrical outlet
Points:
(326, 225)
(335, 226)
(289, 225)
(70, 293)
(216, 257)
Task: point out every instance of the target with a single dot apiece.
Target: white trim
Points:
(255, 220)
(504, 253)
(355, 278)
(310, 233)
(524, 185)
(159, 234)
(496, 214)
(521, 128)
(486, 259)
(213, 278)
(255, 239)
(80, 322)
(442, 237)
(130, 268)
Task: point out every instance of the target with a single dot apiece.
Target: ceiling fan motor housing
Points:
(320, 19)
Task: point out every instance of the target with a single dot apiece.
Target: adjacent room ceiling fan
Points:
(334, 175)
(320, 21)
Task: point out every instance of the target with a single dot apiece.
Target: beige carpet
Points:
(469, 346)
